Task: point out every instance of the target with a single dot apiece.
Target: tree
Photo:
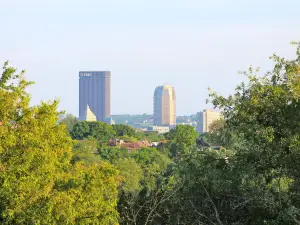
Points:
(217, 133)
(183, 134)
(132, 173)
(102, 132)
(182, 139)
(123, 130)
(154, 136)
(112, 154)
(142, 185)
(265, 114)
(38, 182)
(69, 121)
(86, 151)
(80, 130)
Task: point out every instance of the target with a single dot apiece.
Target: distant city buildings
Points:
(164, 106)
(94, 105)
(94, 92)
(205, 119)
(159, 129)
(109, 121)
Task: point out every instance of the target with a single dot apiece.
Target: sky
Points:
(189, 44)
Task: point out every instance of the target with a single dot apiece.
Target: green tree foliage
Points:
(153, 164)
(81, 130)
(38, 182)
(112, 154)
(140, 206)
(154, 136)
(140, 135)
(123, 130)
(129, 139)
(183, 134)
(102, 132)
(265, 113)
(181, 140)
(220, 134)
(132, 173)
(86, 151)
(258, 181)
(69, 121)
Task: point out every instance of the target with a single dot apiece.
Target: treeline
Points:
(66, 173)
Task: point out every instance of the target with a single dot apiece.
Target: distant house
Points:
(202, 144)
(130, 146)
(159, 129)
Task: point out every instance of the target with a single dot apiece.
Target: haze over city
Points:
(191, 45)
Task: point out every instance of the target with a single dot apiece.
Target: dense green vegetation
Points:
(39, 181)
(66, 173)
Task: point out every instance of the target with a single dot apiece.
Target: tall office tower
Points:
(205, 119)
(164, 106)
(94, 91)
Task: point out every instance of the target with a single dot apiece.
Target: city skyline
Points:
(191, 45)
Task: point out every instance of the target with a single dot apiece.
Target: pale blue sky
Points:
(190, 44)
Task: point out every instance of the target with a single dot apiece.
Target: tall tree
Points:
(182, 139)
(69, 121)
(101, 131)
(38, 182)
(265, 114)
(123, 130)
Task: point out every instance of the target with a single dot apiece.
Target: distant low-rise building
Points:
(130, 146)
(159, 129)
(109, 121)
(206, 118)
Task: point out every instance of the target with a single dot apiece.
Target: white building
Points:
(160, 129)
(88, 115)
(206, 118)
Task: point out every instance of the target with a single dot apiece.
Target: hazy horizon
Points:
(191, 45)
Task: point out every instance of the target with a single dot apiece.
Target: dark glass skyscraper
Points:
(94, 92)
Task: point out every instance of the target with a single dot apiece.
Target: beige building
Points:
(206, 118)
(88, 115)
(164, 106)
(159, 129)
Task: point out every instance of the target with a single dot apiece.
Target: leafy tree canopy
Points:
(69, 121)
(38, 182)
(123, 130)
(101, 131)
